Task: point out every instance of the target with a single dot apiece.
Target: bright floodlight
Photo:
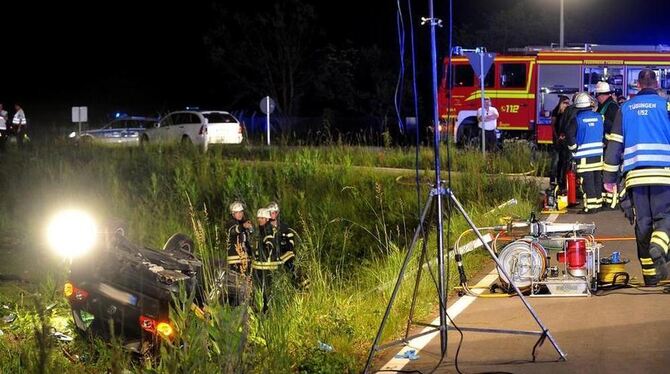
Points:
(72, 233)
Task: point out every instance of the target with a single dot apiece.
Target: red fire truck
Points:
(524, 85)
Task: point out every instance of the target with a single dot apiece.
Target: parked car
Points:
(195, 127)
(123, 130)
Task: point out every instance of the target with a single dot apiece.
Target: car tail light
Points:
(164, 329)
(68, 289)
(150, 325)
(203, 130)
(72, 292)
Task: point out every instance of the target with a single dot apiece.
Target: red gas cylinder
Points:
(571, 183)
(575, 254)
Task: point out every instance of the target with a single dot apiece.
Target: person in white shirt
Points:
(488, 120)
(20, 124)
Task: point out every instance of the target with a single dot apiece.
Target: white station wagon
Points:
(197, 127)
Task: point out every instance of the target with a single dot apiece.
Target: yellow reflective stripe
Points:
(614, 138)
(287, 256)
(648, 176)
(661, 235)
(648, 271)
(660, 243)
(590, 167)
(267, 265)
(648, 172)
(661, 239)
(611, 168)
(646, 261)
(572, 147)
(646, 181)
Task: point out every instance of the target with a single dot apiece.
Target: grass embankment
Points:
(355, 227)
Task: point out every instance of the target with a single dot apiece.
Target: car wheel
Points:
(144, 140)
(180, 242)
(186, 141)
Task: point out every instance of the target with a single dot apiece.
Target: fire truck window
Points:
(464, 76)
(512, 75)
(490, 79)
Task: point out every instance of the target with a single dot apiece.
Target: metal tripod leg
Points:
(417, 233)
(424, 244)
(545, 331)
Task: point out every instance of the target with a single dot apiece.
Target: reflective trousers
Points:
(652, 226)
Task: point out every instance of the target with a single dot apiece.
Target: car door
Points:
(161, 133)
(186, 125)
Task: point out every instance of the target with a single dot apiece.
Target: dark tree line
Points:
(282, 51)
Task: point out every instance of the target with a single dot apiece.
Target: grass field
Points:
(354, 223)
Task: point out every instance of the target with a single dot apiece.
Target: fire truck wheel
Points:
(468, 133)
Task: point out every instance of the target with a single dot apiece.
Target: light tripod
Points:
(434, 207)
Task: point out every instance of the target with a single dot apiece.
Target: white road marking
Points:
(453, 311)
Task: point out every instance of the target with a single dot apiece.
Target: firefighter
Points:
(560, 155)
(266, 257)
(608, 108)
(283, 238)
(238, 241)
(641, 133)
(585, 140)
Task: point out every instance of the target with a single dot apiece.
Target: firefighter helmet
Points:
(263, 213)
(603, 88)
(273, 207)
(236, 206)
(583, 100)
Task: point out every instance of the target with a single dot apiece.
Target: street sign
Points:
(79, 114)
(480, 61)
(267, 105)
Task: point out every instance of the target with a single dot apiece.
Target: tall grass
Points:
(355, 226)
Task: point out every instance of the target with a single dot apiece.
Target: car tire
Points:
(85, 140)
(186, 141)
(144, 140)
(180, 242)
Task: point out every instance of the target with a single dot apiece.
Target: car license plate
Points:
(118, 295)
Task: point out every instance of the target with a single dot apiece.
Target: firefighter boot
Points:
(660, 270)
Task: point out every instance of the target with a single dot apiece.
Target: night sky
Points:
(149, 56)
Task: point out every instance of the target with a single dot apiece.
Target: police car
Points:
(123, 130)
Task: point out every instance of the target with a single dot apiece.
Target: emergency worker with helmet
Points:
(585, 141)
(608, 108)
(639, 145)
(238, 240)
(283, 238)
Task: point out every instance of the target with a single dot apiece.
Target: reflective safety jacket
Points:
(641, 133)
(19, 118)
(275, 248)
(585, 135)
(608, 109)
(266, 256)
(239, 246)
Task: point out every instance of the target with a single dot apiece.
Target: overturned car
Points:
(120, 289)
